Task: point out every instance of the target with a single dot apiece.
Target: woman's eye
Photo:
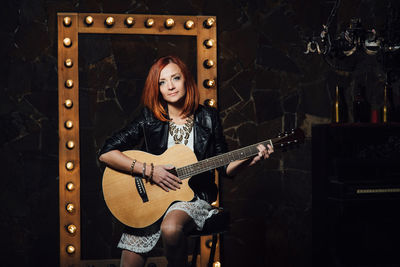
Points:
(177, 78)
(161, 83)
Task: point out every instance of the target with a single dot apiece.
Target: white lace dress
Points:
(198, 209)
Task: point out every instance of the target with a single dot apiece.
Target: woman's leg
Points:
(173, 228)
(132, 259)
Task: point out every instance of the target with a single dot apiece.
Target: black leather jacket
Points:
(208, 141)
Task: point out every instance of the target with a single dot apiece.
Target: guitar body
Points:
(122, 196)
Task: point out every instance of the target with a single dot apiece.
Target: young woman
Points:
(171, 115)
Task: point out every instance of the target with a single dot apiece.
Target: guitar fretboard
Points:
(218, 161)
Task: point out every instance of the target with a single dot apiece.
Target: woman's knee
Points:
(132, 259)
(171, 232)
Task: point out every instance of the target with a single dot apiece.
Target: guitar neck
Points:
(220, 160)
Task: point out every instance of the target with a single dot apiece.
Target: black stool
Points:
(216, 224)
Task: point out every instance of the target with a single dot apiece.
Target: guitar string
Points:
(219, 160)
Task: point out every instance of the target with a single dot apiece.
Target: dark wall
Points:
(266, 84)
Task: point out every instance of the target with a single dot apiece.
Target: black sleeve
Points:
(126, 138)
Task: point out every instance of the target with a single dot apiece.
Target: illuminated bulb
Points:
(68, 124)
(209, 43)
(71, 228)
(69, 165)
(67, 42)
(89, 20)
(169, 23)
(67, 21)
(70, 186)
(216, 264)
(208, 63)
(208, 23)
(208, 243)
(130, 21)
(149, 23)
(211, 102)
(209, 83)
(70, 207)
(70, 249)
(214, 203)
(68, 63)
(189, 24)
(110, 21)
(70, 144)
(68, 103)
(69, 83)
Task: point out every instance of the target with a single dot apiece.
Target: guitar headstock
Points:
(293, 137)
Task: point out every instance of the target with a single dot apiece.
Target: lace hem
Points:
(199, 210)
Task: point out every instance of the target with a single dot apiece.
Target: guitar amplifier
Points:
(356, 194)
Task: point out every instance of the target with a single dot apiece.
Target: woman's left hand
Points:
(238, 165)
(263, 153)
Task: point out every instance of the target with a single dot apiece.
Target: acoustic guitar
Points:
(138, 203)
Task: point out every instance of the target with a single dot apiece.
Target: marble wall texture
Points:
(266, 85)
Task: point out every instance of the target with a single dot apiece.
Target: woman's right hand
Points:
(165, 179)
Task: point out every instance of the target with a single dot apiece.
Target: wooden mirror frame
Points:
(69, 26)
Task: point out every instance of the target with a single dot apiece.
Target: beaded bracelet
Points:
(132, 166)
(144, 171)
(151, 172)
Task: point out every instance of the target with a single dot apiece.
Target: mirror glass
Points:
(112, 72)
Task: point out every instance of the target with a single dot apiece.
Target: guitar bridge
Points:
(141, 189)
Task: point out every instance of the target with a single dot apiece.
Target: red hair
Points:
(152, 98)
